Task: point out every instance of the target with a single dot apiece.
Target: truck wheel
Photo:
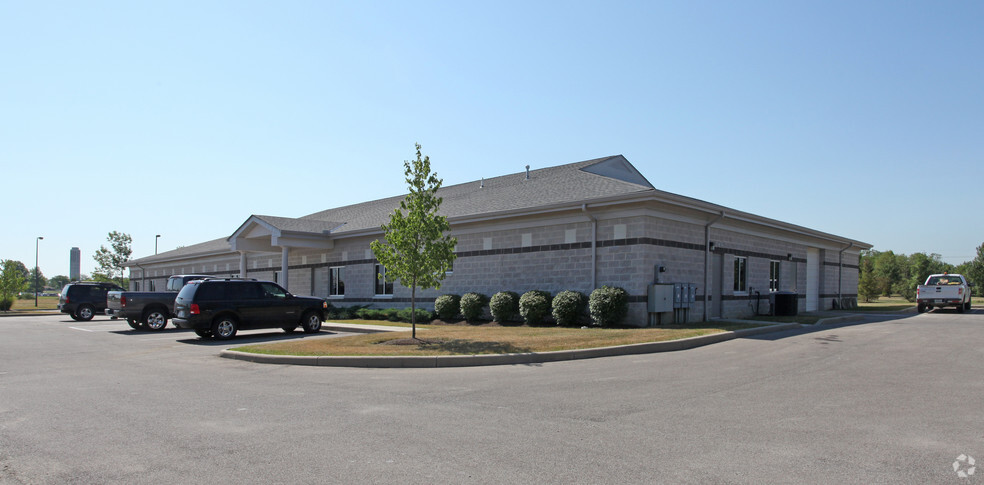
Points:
(224, 328)
(203, 333)
(85, 313)
(960, 308)
(920, 308)
(289, 328)
(132, 323)
(155, 320)
(311, 322)
(967, 306)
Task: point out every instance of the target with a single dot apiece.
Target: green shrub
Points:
(567, 307)
(608, 306)
(370, 314)
(473, 306)
(392, 314)
(6, 303)
(504, 306)
(447, 307)
(534, 305)
(423, 316)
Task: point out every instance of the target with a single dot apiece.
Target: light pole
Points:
(155, 243)
(37, 246)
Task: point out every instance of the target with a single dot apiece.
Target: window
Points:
(383, 285)
(774, 275)
(741, 277)
(336, 281)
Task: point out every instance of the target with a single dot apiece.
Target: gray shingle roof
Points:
(570, 183)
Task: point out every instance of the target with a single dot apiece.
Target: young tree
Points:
(111, 261)
(417, 252)
(12, 281)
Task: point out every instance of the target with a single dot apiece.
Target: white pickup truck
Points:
(943, 290)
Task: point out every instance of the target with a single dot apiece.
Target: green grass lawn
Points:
(472, 340)
(44, 303)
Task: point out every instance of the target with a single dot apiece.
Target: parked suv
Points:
(83, 300)
(221, 307)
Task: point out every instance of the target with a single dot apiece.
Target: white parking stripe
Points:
(82, 329)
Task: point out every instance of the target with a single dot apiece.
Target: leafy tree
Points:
(42, 281)
(111, 261)
(417, 252)
(869, 288)
(975, 270)
(58, 281)
(11, 282)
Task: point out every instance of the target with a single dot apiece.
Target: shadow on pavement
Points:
(808, 329)
(253, 338)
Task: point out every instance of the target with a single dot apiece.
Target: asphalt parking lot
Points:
(888, 400)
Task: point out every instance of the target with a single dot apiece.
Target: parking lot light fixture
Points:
(155, 243)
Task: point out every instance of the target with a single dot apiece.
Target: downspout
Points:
(707, 262)
(143, 278)
(594, 247)
(840, 273)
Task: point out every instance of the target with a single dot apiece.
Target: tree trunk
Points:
(413, 308)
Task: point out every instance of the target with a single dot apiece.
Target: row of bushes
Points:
(366, 313)
(606, 306)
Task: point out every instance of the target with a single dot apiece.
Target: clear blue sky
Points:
(862, 119)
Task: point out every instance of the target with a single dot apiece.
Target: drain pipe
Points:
(707, 261)
(594, 247)
(840, 274)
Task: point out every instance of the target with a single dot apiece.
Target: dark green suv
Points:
(221, 307)
(83, 300)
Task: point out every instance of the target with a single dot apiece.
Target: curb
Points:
(503, 359)
(844, 319)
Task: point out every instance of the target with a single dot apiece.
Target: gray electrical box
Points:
(660, 298)
(684, 294)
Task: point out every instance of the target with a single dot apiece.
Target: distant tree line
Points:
(884, 273)
(17, 280)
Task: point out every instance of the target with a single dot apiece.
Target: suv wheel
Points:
(311, 322)
(224, 328)
(155, 320)
(85, 313)
(289, 328)
(203, 333)
(132, 323)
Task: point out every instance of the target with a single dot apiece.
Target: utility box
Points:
(684, 295)
(660, 298)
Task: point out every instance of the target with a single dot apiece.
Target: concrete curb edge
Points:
(503, 359)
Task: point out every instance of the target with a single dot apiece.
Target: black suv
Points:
(83, 300)
(221, 307)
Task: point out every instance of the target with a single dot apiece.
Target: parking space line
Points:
(82, 329)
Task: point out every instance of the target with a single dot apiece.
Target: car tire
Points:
(311, 322)
(133, 323)
(967, 306)
(85, 313)
(155, 320)
(289, 328)
(960, 308)
(203, 333)
(72, 315)
(225, 327)
(920, 308)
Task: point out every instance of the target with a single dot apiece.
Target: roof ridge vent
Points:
(527, 172)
